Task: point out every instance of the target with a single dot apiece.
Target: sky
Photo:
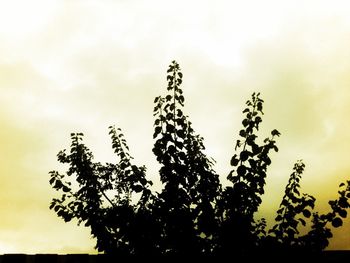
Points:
(83, 65)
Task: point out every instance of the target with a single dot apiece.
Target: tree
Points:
(193, 214)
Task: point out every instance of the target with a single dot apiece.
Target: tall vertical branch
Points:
(174, 102)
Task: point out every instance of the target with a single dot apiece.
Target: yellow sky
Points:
(73, 65)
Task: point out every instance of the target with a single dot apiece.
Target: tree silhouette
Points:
(193, 214)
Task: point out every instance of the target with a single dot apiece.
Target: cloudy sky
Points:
(68, 66)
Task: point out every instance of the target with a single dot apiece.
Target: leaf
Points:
(284, 202)
(181, 134)
(242, 133)
(241, 170)
(123, 165)
(244, 155)
(170, 116)
(343, 202)
(171, 149)
(137, 188)
(67, 217)
(182, 155)
(60, 213)
(256, 149)
(66, 189)
(170, 128)
(295, 190)
(275, 133)
(58, 184)
(302, 221)
(51, 205)
(234, 160)
(181, 99)
(230, 175)
(238, 144)
(342, 213)
(278, 218)
(52, 180)
(331, 203)
(245, 122)
(337, 222)
(157, 130)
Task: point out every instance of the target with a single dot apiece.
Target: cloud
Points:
(82, 66)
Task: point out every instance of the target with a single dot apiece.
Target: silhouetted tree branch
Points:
(193, 214)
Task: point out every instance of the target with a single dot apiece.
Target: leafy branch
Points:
(193, 214)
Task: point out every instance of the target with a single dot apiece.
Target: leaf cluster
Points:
(193, 214)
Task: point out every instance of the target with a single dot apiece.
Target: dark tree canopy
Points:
(193, 214)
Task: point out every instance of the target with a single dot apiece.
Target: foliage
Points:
(191, 186)
(193, 214)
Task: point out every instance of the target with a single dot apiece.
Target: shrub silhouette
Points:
(193, 214)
